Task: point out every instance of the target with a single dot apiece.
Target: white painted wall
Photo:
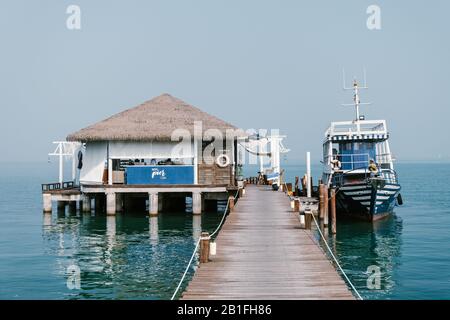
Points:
(93, 162)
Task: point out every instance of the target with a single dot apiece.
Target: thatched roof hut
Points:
(154, 120)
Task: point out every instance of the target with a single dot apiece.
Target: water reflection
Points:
(153, 227)
(110, 241)
(359, 245)
(196, 227)
(127, 256)
(47, 220)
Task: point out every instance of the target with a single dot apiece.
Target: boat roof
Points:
(357, 130)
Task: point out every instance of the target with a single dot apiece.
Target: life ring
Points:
(223, 161)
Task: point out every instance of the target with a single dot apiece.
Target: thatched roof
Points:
(154, 120)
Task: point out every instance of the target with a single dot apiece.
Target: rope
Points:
(329, 250)
(198, 243)
(335, 260)
(186, 270)
(224, 215)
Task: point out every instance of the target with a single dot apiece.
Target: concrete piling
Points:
(111, 203)
(153, 203)
(196, 203)
(47, 202)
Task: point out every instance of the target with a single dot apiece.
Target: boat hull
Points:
(366, 201)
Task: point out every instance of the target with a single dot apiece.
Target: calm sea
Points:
(132, 256)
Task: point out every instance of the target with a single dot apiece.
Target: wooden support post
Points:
(304, 185)
(308, 219)
(204, 247)
(333, 210)
(325, 209)
(321, 201)
(153, 203)
(47, 202)
(296, 205)
(111, 203)
(231, 203)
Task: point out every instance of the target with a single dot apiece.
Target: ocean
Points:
(132, 256)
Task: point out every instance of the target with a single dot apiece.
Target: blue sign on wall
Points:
(159, 174)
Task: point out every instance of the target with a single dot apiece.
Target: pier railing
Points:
(57, 186)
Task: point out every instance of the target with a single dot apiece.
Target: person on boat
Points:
(373, 169)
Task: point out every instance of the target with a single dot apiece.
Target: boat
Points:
(358, 163)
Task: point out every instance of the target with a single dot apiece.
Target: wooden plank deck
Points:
(262, 253)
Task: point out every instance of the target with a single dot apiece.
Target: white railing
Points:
(360, 127)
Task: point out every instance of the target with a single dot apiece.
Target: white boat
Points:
(357, 161)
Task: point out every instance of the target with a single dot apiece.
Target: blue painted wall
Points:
(159, 175)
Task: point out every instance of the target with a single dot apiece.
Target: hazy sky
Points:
(256, 64)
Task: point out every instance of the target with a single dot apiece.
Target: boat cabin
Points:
(349, 146)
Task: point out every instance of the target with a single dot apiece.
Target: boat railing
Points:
(383, 158)
(339, 179)
(360, 127)
(389, 175)
(355, 161)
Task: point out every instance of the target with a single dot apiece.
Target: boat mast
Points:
(356, 101)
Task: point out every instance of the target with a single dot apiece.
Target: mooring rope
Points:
(335, 260)
(224, 215)
(328, 247)
(187, 268)
(198, 243)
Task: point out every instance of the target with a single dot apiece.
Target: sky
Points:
(256, 64)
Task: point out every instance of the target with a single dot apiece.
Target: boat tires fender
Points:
(223, 160)
(399, 199)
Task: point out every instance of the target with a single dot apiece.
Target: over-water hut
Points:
(161, 149)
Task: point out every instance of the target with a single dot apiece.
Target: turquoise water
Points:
(411, 248)
(134, 257)
(130, 256)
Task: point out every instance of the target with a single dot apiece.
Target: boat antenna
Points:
(356, 100)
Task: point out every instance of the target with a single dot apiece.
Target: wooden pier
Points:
(263, 253)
